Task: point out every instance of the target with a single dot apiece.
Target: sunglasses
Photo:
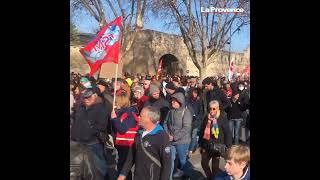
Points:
(212, 109)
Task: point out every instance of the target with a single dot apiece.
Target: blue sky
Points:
(85, 23)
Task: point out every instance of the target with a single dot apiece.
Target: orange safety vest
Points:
(127, 138)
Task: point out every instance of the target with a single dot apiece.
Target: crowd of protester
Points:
(156, 124)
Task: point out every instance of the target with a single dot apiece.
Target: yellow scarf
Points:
(215, 128)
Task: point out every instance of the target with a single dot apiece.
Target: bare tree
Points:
(132, 12)
(73, 33)
(204, 34)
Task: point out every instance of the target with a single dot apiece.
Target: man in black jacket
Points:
(213, 92)
(235, 112)
(89, 121)
(196, 103)
(155, 100)
(150, 152)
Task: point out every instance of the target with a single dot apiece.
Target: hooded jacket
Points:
(178, 122)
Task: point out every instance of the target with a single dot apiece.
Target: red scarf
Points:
(206, 134)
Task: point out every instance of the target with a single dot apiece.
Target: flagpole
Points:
(115, 83)
(98, 77)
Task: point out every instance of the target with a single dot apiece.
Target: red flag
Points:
(105, 47)
(246, 71)
(231, 70)
(159, 67)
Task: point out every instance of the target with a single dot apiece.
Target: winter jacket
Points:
(157, 144)
(244, 99)
(225, 176)
(77, 102)
(160, 103)
(168, 97)
(225, 136)
(180, 89)
(124, 122)
(234, 85)
(189, 92)
(197, 113)
(178, 122)
(236, 109)
(107, 98)
(88, 122)
(216, 94)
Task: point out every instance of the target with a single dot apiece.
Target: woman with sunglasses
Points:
(215, 137)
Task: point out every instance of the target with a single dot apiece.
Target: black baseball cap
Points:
(87, 93)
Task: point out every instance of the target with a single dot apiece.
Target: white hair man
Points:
(150, 152)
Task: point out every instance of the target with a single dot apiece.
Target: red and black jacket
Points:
(126, 126)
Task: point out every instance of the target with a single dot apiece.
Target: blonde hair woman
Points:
(125, 123)
(214, 138)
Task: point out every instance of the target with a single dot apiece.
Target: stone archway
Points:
(170, 65)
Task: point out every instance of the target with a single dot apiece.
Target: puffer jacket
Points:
(178, 122)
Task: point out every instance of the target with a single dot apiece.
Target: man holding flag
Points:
(104, 48)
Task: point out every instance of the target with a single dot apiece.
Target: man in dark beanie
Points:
(155, 100)
(234, 112)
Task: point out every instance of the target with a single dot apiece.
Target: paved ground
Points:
(195, 170)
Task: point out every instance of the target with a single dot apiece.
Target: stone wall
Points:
(151, 45)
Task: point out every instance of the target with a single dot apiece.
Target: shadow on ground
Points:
(192, 173)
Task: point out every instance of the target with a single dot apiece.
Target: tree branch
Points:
(113, 9)
(122, 10)
(186, 38)
(198, 21)
(144, 6)
(91, 11)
